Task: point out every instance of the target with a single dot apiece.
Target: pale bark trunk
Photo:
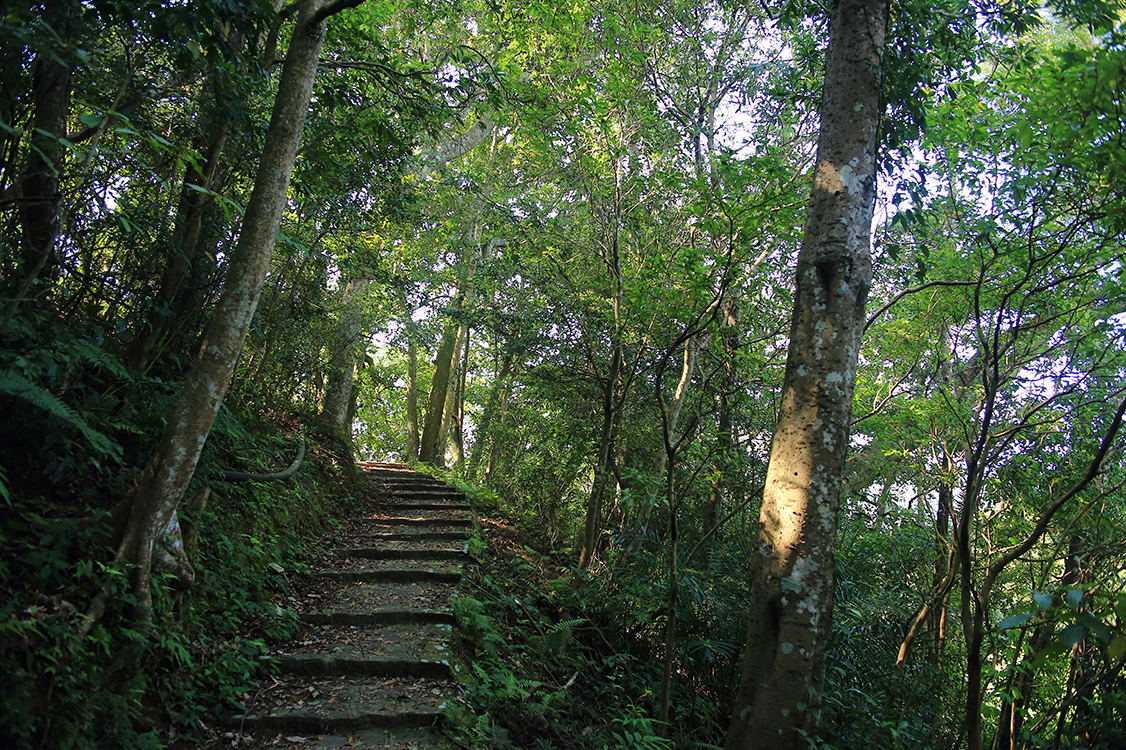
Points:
(432, 428)
(412, 400)
(455, 147)
(792, 569)
(153, 501)
(349, 349)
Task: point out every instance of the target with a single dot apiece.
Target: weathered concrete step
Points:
(425, 505)
(392, 575)
(322, 665)
(382, 617)
(415, 536)
(389, 738)
(400, 650)
(415, 521)
(327, 705)
(347, 599)
(412, 553)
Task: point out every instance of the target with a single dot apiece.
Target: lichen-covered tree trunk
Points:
(435, 404)
(153, 501)
(343, 364)
(779, 695)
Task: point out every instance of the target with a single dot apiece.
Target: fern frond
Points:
(17, 385)
(98, 356)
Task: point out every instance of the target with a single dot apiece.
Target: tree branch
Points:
(333, 8)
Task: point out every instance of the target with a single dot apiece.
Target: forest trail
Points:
(370, 668)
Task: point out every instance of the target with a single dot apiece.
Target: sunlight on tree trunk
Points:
(151, 505)
(792, 567)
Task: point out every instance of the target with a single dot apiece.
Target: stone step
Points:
(323, 665)
(387, 738)
(382, 617)
(415, 536)
(396, 650)
(409, 553)
(393, 575)
(419, 521)
(424, 505)
(329, 705)
(348, 602)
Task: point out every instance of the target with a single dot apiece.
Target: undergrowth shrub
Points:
(128, 684)
(558, 658)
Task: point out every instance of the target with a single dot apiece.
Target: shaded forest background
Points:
(550, 249)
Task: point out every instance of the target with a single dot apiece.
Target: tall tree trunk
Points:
(346, 358)
(449, 406)
(153, 501)
(725, 435)
(412, 399)
(432, 427)
(40, 183)
(190, 214)
(778, 700)
(457, 413)
(481, 434)
(603, 465)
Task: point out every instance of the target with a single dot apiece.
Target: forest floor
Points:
(376, 659)
(370, 666)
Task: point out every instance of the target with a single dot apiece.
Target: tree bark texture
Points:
(603, 466)
(154, 499)
(41, 179)
(482, 433)
(349, 348)
(188, 253)
(792, 567)
(432, 427)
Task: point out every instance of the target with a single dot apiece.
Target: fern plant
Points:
(17, 385)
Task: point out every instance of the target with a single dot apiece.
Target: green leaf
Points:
(1013, 621)
(1043, 601)
(1073, 597)
(1072, 634)
(1117, 648)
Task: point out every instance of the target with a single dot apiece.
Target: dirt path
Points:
(371, 666)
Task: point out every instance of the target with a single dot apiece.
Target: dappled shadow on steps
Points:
(371, 666)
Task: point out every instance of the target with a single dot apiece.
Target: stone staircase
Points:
(371, 666)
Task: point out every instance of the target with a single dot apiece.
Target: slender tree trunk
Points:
(439, 383)
(193, 206)
(777, 702)
(725, 436)
(412, 400)
(449, 405)
(41, 181)
(481, 434)
(153, 501)
(349, 349)
(603, 465)
(496, 447)
(457, 447)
